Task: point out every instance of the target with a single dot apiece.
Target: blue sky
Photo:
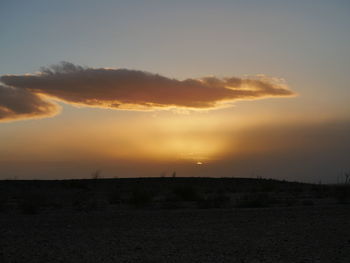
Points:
(305, 42)
(180, 38)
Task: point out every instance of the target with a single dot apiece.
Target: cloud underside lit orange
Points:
(29, 95)
(21, 104)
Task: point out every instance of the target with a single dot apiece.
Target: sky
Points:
(204, 88)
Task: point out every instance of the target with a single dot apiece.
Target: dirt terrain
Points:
(300, 234)
(119, 233)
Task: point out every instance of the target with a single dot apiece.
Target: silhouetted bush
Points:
(114, 197)
(186, 193)
(96, 175)
(218, 200)
(2, 202)
(32, 197)
(31, 203)
(290, 201)
(320, 191)
(254, 200)
(77, 184)
(84, 201)
(170, 205)
(140, 197)
(308, 202)
(295, 189)
(268, 186)
(342, 194)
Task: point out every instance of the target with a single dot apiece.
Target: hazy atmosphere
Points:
(146, 88)
(174, 131)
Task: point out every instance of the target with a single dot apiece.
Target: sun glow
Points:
(193, 137)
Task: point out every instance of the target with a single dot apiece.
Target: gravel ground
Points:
(297, 234)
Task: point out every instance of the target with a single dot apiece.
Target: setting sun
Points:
(174, 131)
(147, 95)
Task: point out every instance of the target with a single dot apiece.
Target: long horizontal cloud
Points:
(22, 104)
(132, 89)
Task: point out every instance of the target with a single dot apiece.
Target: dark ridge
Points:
(35, 196)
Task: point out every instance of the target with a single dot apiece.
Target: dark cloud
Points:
(22, 104)
(132, 89)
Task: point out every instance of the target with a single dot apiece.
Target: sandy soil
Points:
(297, 234)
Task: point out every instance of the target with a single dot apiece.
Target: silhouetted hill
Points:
(173, 220)
(34, 196)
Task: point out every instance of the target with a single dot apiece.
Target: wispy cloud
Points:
(133, 89)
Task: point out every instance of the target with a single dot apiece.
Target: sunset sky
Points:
(203, 88)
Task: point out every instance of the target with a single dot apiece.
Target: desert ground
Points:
(173, 220)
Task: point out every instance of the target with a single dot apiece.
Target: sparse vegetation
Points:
(254, 200)
(114, 197)
(96, 175)
(85, 200)
(342, 193)
(218, 200)
(31, 203)
(33, 197)
(308, 202)
(186, 193)
(75, 184)
(140, 197)
(2, 202)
